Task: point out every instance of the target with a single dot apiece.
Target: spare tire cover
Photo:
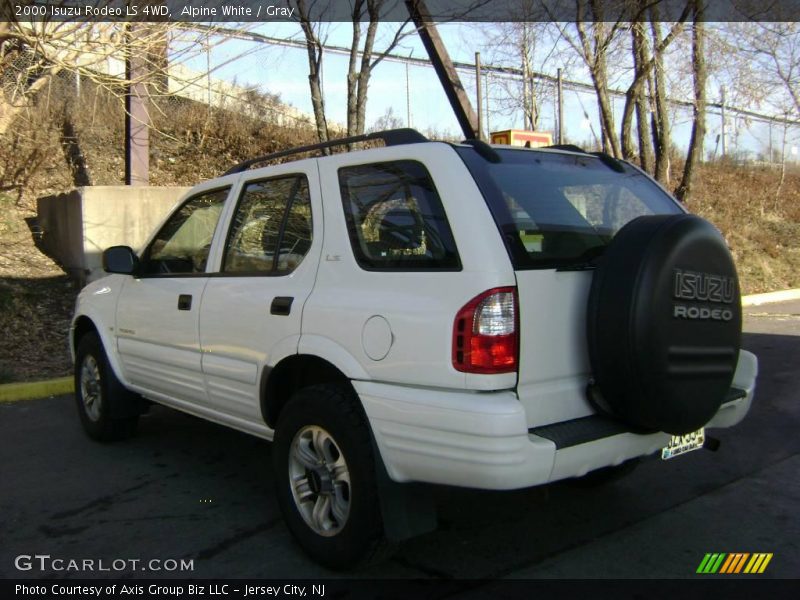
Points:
(664, 323)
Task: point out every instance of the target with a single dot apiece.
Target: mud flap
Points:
(407, 509)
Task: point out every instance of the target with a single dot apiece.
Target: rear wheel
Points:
(325, 474)
(106, 409)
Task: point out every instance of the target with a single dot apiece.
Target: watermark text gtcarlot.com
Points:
(47, 563)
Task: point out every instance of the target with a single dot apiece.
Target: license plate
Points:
(681, 444)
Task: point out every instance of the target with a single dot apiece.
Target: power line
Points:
(510, 72)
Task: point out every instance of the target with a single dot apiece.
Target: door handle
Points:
(281, 305)
(185, 302)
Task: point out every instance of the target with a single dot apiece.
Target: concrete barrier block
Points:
(77, 226)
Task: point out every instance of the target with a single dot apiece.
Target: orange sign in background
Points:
(521, 137)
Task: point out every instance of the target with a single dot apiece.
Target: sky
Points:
(285, 71)
(415, 91)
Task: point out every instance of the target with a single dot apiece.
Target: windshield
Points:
(557, 209)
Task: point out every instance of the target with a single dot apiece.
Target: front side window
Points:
(183, 243)
(395, 218)
(271, 230)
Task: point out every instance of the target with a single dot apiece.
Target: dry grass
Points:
(760, 222)
(188, 143)
(36, 301)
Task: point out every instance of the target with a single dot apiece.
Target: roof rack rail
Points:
(391, 137)
(569, 147)
(612, 163)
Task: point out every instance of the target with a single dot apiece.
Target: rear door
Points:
(252, 307)
(558, 212)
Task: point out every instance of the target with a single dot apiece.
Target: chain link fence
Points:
(209, 82)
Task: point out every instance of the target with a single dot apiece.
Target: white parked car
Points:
(460, 314)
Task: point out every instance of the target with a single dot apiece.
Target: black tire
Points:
(354, 535)
(108, 411)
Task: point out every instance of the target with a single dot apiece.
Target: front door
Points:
(158, 311)
(251, 312)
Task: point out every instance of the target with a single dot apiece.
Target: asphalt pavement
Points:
(187, 489)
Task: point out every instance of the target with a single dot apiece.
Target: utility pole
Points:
(486, 109)
(722, 103)
(137, 119)
(478, 97)
(408, 96)
(444, 67)
(560, 96)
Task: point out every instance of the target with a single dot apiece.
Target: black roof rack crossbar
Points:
(392, 137)
(484, 149)
(612, 163)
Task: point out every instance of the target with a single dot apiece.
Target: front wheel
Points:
(325, 474)
(107, 411)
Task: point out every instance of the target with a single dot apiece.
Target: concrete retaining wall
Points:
(78, 225)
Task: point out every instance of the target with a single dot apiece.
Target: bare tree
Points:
(315, 38)
(661, 129)
(31, 53)
(772, 55)
(120, 59)
(643, 63)
(699, 125)
(527, 45)
(365, 18)
(388, 120)
(641, 57)
(594, 44)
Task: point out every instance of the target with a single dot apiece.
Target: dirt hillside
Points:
(756, 208)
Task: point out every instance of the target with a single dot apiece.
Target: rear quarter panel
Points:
(419, 306)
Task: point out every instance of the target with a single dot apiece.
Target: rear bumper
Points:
(481, 440)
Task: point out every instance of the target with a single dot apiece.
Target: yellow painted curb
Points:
(769, 297)
(11, 392)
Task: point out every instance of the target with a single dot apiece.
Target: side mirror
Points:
(120, 259)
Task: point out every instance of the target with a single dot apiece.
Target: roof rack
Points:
(484, 149)
(392, 137)
(569, 147)
(612, 163)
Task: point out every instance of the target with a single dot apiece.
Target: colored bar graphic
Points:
(733, 563)
(758, 563)
(704, 564)
(741, 562)
(717, 564)
(711, 563)
(765, 563)
(728, 564)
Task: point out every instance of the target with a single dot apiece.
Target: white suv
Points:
(459, 314)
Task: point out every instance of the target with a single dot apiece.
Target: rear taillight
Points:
(485, 333)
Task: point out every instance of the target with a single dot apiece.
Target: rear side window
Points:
(395, 218)
(559, 209)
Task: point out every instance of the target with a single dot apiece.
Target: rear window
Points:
(560, 209)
